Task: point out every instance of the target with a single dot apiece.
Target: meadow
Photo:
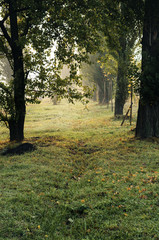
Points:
(88, 179)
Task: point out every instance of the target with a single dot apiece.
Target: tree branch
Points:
(26, 29)
(4, 30)
(5, 17)
(5, 33)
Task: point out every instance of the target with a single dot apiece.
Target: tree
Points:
(29, 29)
(93, 75)
(121, 35)
(101, 71)
(122, 80)
(148, 112)
(108, 64)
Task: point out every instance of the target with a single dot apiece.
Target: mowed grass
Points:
(88, 179)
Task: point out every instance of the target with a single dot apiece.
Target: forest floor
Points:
(88, 179)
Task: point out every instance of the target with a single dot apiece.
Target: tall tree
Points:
(121, 34)
(148, 112)
(29, 29)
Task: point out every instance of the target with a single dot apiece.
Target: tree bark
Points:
(18, 119)
(119, 106)
(148, 112)
(148, 120)
(12, 129)
(122, 82)
(120, 96)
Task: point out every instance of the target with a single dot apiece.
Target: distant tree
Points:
(108, 64)
(121, 35)
(102, 72)
(93, 76)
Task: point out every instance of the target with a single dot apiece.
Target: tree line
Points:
(38, 38)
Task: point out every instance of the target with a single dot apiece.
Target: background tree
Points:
(102, 72)
(108, 63)
(94, 76)
(121, 35)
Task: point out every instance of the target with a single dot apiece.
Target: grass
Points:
(89, 178)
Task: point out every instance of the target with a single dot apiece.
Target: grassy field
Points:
(88, 179)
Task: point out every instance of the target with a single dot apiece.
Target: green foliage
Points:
(91, 71)
(109, 64)
(101, 70)
(40, 38)
(124, 31)
(134, 74)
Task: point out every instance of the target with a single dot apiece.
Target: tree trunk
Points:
(103, 90)
(12, 129)
(107, 92)
(19, 82)
(119, 106)
(122, 82)
(148, 120)
(111, 94)
(121, 91)
(100, 95)
(148, 112)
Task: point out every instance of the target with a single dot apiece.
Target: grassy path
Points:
(89, 178)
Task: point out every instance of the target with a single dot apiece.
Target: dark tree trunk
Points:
(18, 119)
(148, 112)
(121, 90)
(111, 94)
(12, 129)
(148, 120)
(122, 81)
(119, 106)
(107, 93)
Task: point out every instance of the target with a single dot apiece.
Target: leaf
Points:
(70, 220)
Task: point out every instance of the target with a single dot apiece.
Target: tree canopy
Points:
(29, 31)
(38, 38)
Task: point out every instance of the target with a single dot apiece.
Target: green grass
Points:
(89, 178)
